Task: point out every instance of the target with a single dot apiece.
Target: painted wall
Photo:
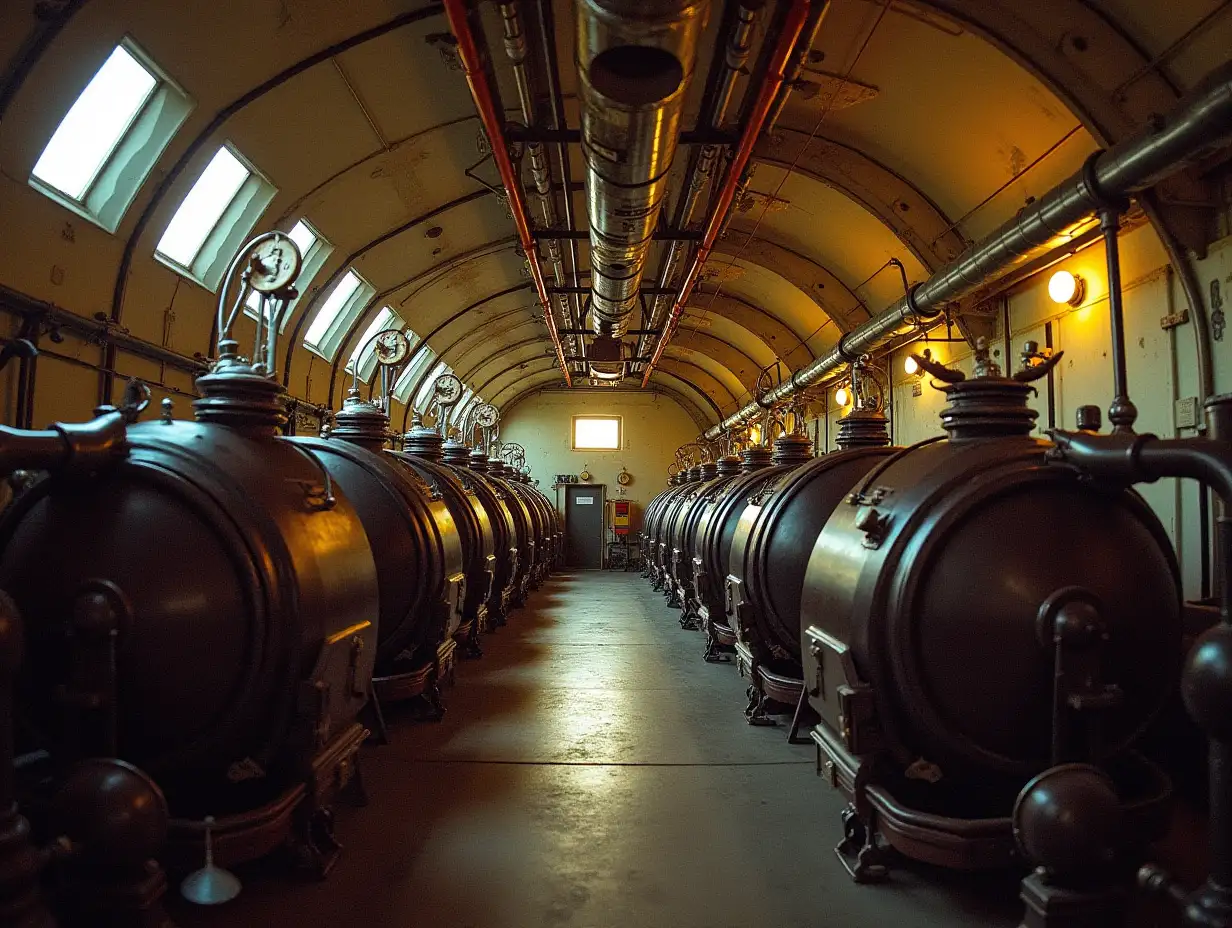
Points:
(654, 427)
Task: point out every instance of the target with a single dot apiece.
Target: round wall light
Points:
(911, 366)
(842, 396)
(1064, 287)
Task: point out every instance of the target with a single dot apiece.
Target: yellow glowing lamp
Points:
(911, 366)
(1064, 287)
(755, 435)
(842, 396)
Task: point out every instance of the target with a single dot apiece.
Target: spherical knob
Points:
(112, 812)
(1206, 684)
(1069, 821)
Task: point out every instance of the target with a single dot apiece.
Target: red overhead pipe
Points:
(776, 73)
(494, 125)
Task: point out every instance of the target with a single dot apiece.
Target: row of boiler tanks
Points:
(232, 611)
(947, 620)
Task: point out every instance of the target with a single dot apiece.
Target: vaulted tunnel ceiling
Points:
(915, 128)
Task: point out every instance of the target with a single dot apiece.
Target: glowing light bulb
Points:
(1064, 287)
(911, 365)
(842, 396)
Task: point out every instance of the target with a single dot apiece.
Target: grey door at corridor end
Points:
(584, 508)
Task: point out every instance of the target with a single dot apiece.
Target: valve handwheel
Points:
(273, 262)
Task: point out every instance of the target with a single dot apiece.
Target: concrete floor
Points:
(592, 771)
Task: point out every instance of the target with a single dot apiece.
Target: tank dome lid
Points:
(454, 452)
(987, 404)
(422, 441)
(478, 461)
(729, 465)
(863, 428)
(360, 421)
(755, 458)
(791, 449)
(240, 395)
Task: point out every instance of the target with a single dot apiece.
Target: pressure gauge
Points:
(486, 415)
(391, 347)
(448, 390)
(273, 262)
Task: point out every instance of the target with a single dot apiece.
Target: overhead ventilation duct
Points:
(635, 61)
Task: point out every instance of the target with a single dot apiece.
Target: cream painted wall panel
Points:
(654, 427)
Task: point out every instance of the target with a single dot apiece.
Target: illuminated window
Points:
(344, 302)
(420, 361)
(111, 137)
(314, 250)
(596, 433)
(365, 349)
(215, 216)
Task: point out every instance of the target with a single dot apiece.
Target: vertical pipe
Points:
(1052, 387)
(1122, 412)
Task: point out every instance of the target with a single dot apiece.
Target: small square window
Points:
(327, 328)
(214, 217)
(314, 250)
(111, 137)
(596, 433)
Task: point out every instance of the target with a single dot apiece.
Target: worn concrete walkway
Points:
(592, 771)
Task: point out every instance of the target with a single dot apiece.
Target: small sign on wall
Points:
(584, 500)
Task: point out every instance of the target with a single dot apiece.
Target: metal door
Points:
(584, 510)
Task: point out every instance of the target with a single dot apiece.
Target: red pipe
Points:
(494, 125)
(776, 73)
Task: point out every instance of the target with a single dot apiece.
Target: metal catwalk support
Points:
(490, 114)
(1200, 124)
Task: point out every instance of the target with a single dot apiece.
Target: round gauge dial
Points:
(448, 390)
(391, 347)
(487, 415)
(273, 262)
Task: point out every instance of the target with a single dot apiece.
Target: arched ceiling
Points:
(916, 127)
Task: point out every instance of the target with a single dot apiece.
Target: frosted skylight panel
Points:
(334, 304)
(203, 207)
(95, 124)
(429, 385)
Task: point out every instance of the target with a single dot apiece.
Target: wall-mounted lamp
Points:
(912, 366)
(1064, 287)
(842, 396)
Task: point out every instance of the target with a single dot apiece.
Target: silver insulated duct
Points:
(635, 61)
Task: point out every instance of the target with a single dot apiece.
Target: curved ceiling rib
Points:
(522, 365)
(485, 250)
(900, 206)
(702, 381)
(1105, 79)
(741, 366)
(788, 344)
(305, 315)
(821, 285)
(504, 351)
(222, 116)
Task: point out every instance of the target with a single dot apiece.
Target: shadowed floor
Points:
(593, 771)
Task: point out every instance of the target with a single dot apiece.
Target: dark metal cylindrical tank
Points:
(522, 526)
(971, 616)
(415, 542)
(234, 572)
(780, 541)
(500, 520)
(423, 451)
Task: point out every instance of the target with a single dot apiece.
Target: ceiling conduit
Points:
(494, 125)
(1200, 125)
(776, 75)
(540, 167)
(701, 164)
(635, 61)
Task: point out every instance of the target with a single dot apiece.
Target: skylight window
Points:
(203, 207)
(348, 299)
(334, 304)
(90, 132)
(419, 363)
(426, 389)
(111, 137)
